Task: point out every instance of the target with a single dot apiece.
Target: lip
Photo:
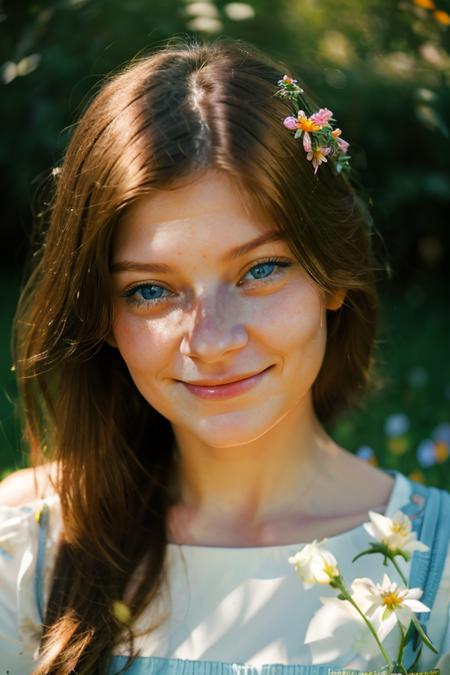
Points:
(227, 389)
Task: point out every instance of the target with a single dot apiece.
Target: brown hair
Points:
(161, 120)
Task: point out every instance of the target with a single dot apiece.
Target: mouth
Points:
(226, 388)
(225, 380)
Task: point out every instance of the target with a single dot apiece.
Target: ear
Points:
(110, 340)
(336, 299)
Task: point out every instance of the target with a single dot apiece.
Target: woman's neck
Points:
(249, 486)
(292, 484)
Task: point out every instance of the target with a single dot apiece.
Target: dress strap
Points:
(429, 512)
(42, 518)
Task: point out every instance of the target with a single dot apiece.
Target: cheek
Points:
(294, 322)
(144, 344)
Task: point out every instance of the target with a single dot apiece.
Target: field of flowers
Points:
(405, 425)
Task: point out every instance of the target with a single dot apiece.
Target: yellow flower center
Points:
(392, 600)
(329, 570)
(400, 528)
(318, 154)
(307, 125)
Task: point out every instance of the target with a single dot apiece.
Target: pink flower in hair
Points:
(318, 156)
(307, 145)
(316, 131)
(322, 116)
(343, 145)
(289, 80)
(290, 122)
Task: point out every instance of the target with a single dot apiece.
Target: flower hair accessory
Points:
(320, 138)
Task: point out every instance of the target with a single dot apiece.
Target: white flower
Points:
(396, 532)
(387, 604)
(337, 627)
(314, 564)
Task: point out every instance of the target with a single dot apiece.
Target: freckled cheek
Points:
(292, 321)
(146, 344)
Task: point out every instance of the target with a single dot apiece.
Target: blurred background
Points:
(382, 66)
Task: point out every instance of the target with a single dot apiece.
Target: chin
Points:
(232, 429)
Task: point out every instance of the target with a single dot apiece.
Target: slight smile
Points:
(227, 389)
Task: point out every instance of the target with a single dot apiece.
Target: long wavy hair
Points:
(161, 120)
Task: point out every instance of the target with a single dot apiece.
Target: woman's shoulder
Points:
(26, 485)
(20, 525)
(27, 532)
(28, 537)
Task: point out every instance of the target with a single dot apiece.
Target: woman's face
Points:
(198, 300)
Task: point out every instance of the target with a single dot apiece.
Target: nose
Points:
(215, 329)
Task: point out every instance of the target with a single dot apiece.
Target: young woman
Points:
(203, 303)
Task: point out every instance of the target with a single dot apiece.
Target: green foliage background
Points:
(382, 66)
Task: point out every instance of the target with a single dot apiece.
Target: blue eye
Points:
(148, 294)
(151, 292)
(262, 270)
(265, 268)
(145, 294)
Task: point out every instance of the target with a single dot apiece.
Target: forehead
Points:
(209, 214)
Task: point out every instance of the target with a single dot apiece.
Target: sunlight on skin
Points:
(27, 485)
(248, 456)
(209, 327)
(256, 466)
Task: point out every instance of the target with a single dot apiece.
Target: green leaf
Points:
(423, 635)
(416, 660)
(410, 633)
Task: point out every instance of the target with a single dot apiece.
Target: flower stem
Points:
(340, 584)
(399, 664)
(402, 576)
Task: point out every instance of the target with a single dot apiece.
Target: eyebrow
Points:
(233, 254)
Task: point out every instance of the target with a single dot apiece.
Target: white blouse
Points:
(240, 605)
